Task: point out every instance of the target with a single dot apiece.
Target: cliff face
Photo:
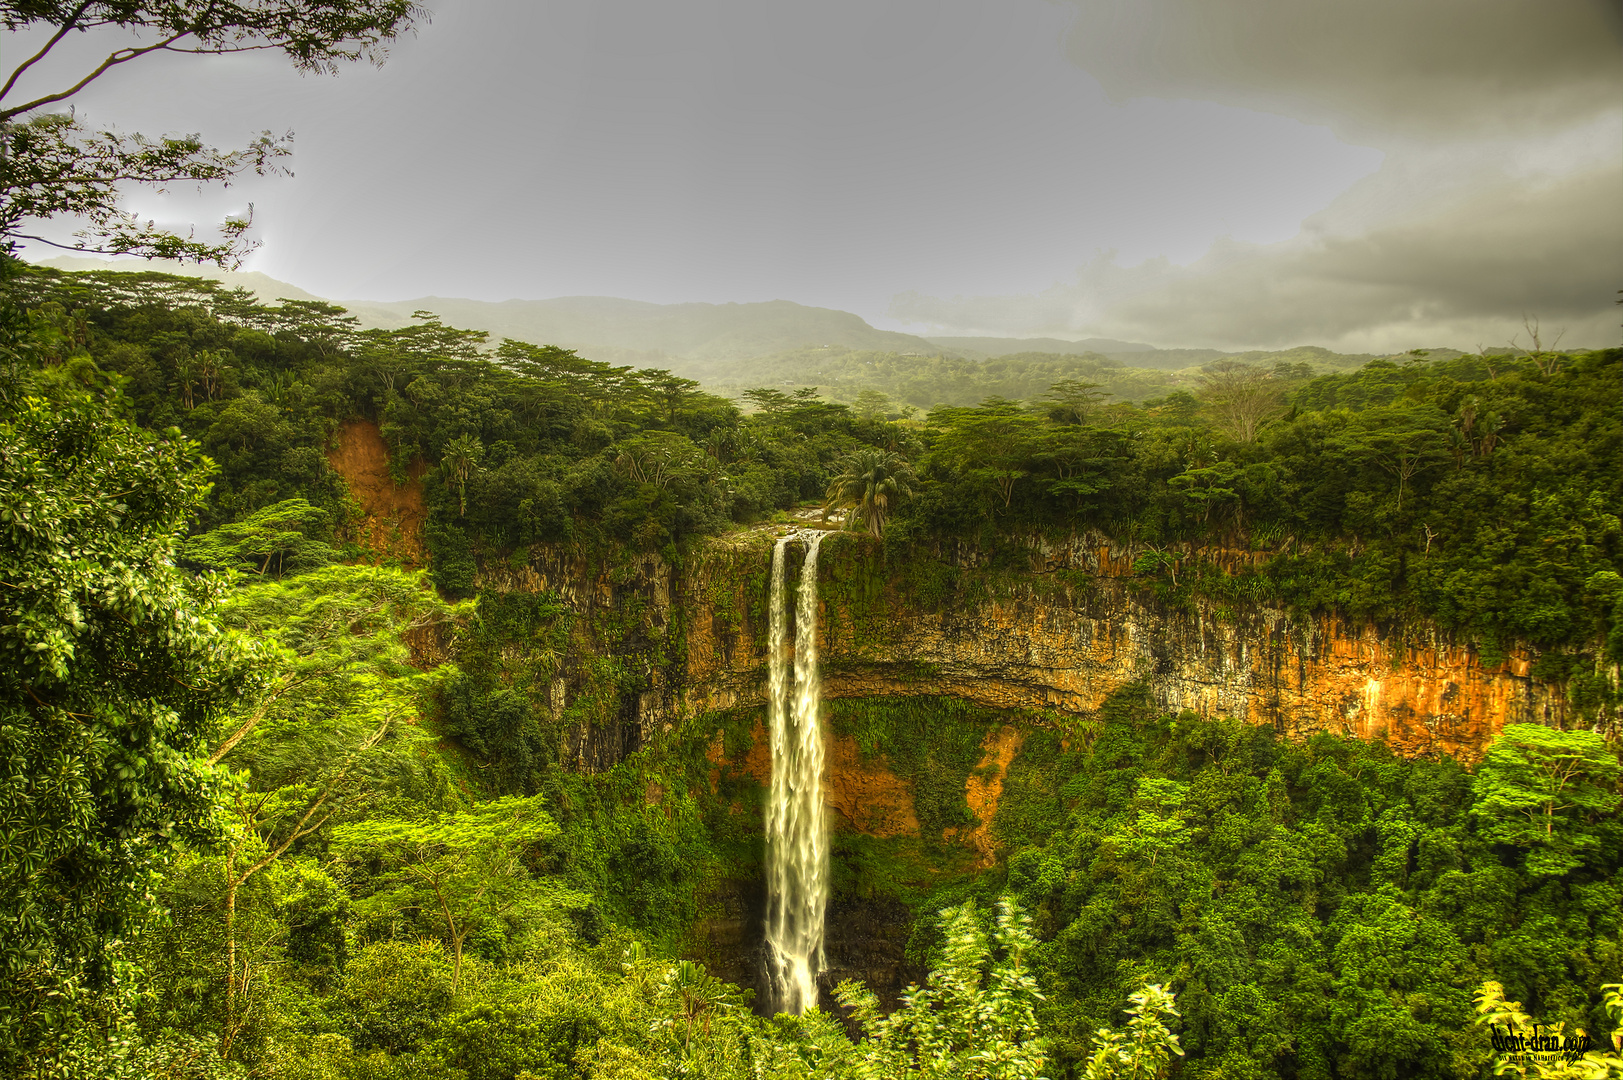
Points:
(1047, 628)
(392, 515)
(1059, 635)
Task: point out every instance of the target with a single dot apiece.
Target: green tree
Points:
(1242, 398)
(54, 167)
(114, 672)
(1146, 1049)
(670, 393)
(700, 997)
(871, 404)
(1085, 460)
(332, 639)
(992, 443)
(871, 482)
(659, 458)
(461, 463)
(331, 726)
(466, 869)
(768, 400)
(976, 1017)
(1540, 788)
(271, 541)
(1157, 825)
(1071, 401)
(1405, 442)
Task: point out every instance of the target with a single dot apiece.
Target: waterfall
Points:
(796, 833)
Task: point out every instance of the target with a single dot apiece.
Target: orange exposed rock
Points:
(869, 798)
(866, 795)
(1062, 638)
(393, 515)
(755, 764)
(984, 788)
(1300, 677)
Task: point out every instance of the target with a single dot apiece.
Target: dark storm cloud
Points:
(1499, 195)
(1370, 68)
(1465, 276)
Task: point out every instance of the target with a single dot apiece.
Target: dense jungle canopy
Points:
(250, 828)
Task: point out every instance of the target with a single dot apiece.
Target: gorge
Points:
(1038, 636)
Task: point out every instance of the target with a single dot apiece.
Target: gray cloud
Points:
(836, 154)
(1365, 68)
(1461, 277)
(723, 150)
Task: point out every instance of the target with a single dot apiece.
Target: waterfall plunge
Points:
(796, 832)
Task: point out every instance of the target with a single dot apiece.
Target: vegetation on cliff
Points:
(1477, 492)
(302, 816)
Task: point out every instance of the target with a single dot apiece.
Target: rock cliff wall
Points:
(1059, 634)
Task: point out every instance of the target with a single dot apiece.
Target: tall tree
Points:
(461, 462)
(1071, 401)
(993, 443)
(1242, 398)
(113, 674)
(1540, 789)
(323, 735)
(463, 870)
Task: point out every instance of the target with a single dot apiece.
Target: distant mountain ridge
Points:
(600, 327)
(718, 344)
(994, 346)
(689, 331)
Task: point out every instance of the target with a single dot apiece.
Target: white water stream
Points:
(796, 832)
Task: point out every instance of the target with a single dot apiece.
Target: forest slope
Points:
(397, 850)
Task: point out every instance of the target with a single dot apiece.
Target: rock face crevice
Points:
(1061, 636)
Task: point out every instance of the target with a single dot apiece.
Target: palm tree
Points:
(460, 462)
(872, 482)
(700, 997)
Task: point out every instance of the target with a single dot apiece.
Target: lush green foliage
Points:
(532, 445)
(416, 838)
(1478, 493)
(966, 1022)
(1145, 1049)
(1322, 909)
(1538, 788)
(114, 673)
(872, 482)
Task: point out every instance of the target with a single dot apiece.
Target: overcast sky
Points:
(1229, 173)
